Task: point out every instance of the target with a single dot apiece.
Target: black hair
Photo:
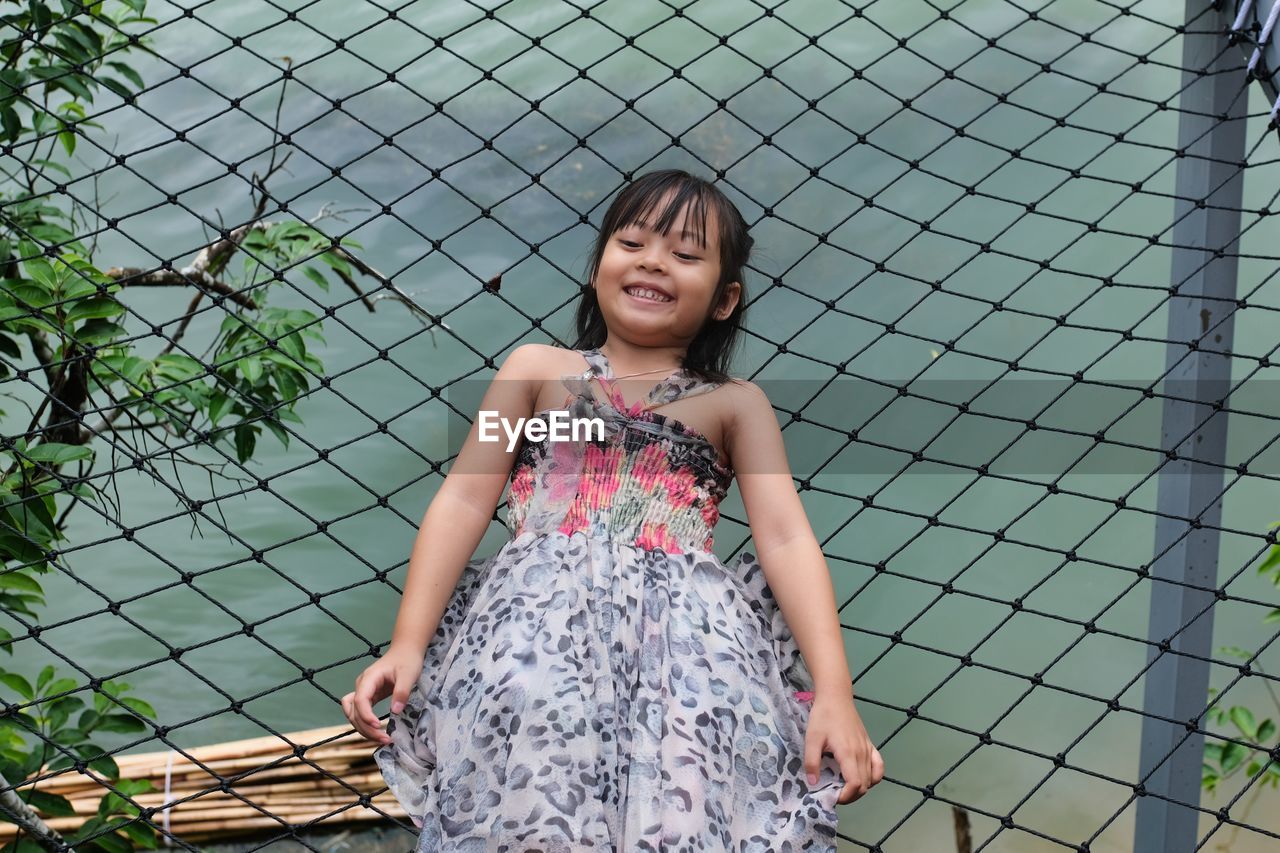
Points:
(711, 351)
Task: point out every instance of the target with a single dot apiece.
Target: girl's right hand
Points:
(394, 673)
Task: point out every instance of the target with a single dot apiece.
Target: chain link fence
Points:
(1014, 301)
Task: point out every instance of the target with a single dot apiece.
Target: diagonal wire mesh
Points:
(967, 213)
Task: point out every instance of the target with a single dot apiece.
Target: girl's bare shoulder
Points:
(744, 395)
(544, 365)
(742, 402)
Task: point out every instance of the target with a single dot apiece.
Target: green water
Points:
(362, 538)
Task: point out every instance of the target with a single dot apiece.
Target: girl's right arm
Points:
(451, 530)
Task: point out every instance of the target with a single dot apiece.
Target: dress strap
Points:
(597, 364)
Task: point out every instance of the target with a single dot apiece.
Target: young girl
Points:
(603, 682)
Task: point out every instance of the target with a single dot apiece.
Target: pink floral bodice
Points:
(652, 480)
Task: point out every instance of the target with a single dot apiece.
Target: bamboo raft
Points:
(285, 791)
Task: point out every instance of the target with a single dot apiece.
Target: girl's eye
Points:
(678, 254)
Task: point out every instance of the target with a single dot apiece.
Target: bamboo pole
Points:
(285, 793)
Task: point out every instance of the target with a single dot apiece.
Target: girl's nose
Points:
(651, 259)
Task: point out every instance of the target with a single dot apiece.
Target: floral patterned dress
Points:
(603, 682)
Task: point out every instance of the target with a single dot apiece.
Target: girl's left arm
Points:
(789, 553)
(797, 573)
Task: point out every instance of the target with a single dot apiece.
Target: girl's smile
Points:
(648, 293)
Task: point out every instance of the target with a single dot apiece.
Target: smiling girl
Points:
(604, 681)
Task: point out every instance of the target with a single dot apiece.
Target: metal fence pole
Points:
(1211, 129)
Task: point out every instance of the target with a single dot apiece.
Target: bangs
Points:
(638, 209)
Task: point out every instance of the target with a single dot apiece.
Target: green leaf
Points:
(73, 31)
(123, 723)
(251, 368)
(288, 387)
(142, 835)
(41, 272)
(71, 50)
(1232, 754)
(18, 604)
(103, 763)
(293, 345)
(99, 306)
(12, 81)
(79, 280)
(72, 736)
(139, 705)
(116, 687)
(15, 580)
(92, 40)
(130, 367)
(133, 787)
(63, 685)
(50, 805)
(113, 844)
(74, 84)
(288, 229)
(59, 762)
(129, 73)
(1266, 730)
(99, 332)
(219, 405)
(45, 676)
(314, 274)
(20, 722)
(111, 803)
(59, 454)
(115, 85)
(1244, 721)
(12, 124)
(18, 684)
(337, 261)
(281, 435)
(246, 438)
(60, 711)
(92, 833)
(1272, 560)
(83, 491)
(175, 366)
(89, 827)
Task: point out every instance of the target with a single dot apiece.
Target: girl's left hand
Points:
(835, 727)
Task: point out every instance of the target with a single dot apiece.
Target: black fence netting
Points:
(1014, 301)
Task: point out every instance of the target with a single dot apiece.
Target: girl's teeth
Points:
(644, 293)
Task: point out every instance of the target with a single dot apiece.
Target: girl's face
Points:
(656, 289)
